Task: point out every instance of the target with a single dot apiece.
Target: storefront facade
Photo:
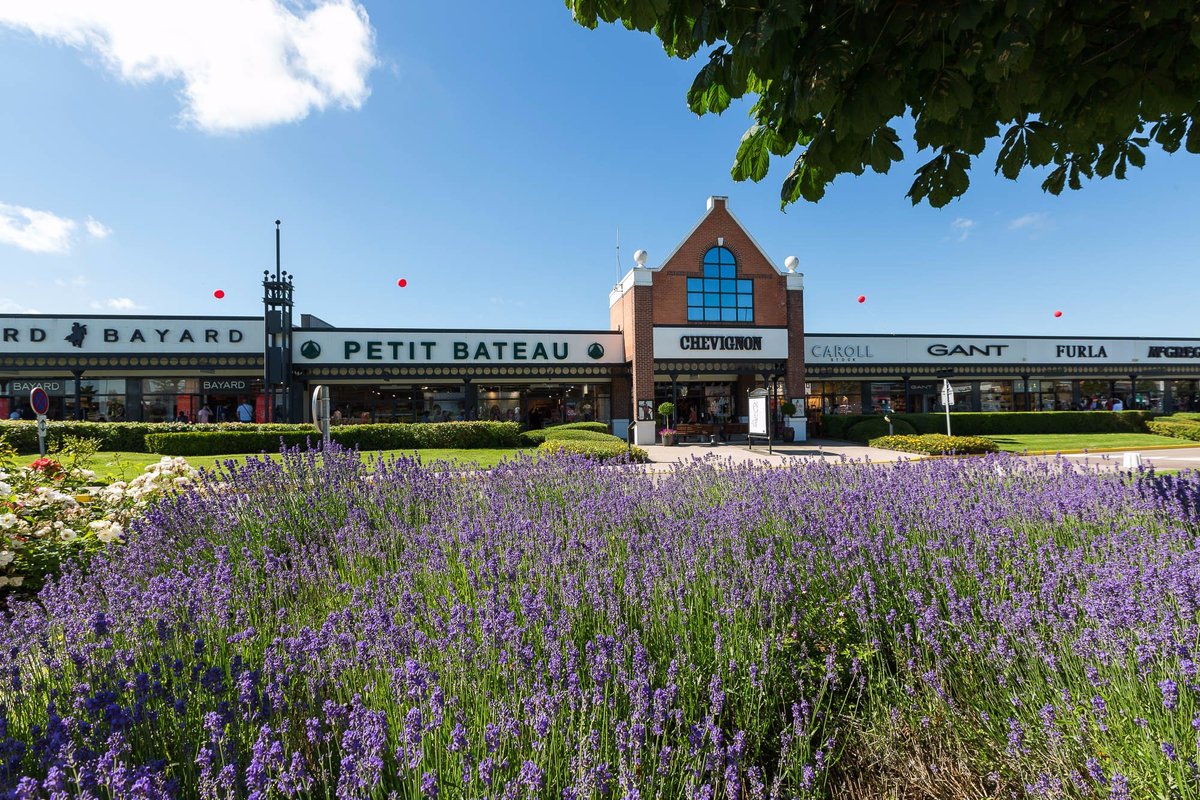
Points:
(863, 374)
(717, 319)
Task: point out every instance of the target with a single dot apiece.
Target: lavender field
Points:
(953, 628)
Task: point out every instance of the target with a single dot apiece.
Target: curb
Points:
(1090, 450)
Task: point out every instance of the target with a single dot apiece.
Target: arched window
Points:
(720, 296)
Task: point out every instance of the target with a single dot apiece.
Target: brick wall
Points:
(670, 283)
(794, 379)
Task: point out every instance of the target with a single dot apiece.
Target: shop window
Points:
(720, 295)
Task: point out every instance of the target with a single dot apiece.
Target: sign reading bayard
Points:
(158, 335)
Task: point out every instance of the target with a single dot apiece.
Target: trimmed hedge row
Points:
(129, 437)
(383, 436)
(985, 423)
(1184, 428)
(936, 444)
(615, 450)
(534, 438)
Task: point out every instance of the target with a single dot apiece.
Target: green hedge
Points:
(874, 427)
(934, 444)
(390, 436)
(128, 437)
(601, 451)
(535, 438)
(987, 423)
(1183, 428)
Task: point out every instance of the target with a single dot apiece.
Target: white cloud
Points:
(97, 229)
(244, 64)
(78, 282)
(963, 227)
(8, 306)
(35, 231)
(116, 304)
(1030, 221)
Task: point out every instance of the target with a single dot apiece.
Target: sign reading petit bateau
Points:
(454, 347)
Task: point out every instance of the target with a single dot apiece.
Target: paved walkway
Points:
(740, 452)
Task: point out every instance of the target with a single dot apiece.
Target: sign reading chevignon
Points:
(520, 348)
(720, 343)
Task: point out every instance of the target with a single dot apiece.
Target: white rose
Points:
(6, 557)
(3, 581)
(109, 535)
(68, 535)
(5, 488)
(16, 580)
(8, 520)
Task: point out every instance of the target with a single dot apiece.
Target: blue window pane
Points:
(744, 286)
(744, 300)
(696, 285)
(729, 300)
(695, 314)
(713, 256)
(728, 271)
(712, 315)
(712, 285)
(712, 300)
(711, 270)
(745, 315)
(729, 315)
(695, 299)
(729, 286)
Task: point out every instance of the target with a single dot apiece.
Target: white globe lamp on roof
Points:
(639, 258)
(791, 262)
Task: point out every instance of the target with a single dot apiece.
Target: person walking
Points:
(245, 412)
(204, 415)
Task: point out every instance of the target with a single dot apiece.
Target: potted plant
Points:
(668, 436)
(789, 410)
(667, 411)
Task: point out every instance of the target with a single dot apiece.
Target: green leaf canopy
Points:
(1081, 86)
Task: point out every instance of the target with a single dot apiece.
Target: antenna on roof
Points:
(618, 254)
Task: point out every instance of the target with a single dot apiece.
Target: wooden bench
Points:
(687, 431)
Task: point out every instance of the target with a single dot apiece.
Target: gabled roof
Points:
(712, 206)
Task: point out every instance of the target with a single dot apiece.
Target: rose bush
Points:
(53, 512)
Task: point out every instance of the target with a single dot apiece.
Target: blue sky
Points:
(488, 157)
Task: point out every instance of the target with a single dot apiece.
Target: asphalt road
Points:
(1181, 458)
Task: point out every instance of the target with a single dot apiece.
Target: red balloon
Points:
(219, 294)
(1058, 313)
(862, 298)
(402, 283)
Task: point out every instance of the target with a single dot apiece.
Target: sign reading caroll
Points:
(846, 349)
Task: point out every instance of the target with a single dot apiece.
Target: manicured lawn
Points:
(1082, 441)
(126, 466)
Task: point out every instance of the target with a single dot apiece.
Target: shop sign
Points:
(129, 335)
(451, 347)
(52, 387)
(223, 384)
(946, 352)
(720, 343)
(1156, 351)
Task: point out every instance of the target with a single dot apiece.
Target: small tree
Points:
(666, 411)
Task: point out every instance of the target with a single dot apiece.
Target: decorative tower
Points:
(277, 352)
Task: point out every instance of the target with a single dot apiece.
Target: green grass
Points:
(113, 466)
(1019, 443)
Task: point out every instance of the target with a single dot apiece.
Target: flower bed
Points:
(54, 514)
(558, 630)
(936, 444)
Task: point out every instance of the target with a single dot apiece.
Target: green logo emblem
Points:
(596, 350)
(310, 349)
